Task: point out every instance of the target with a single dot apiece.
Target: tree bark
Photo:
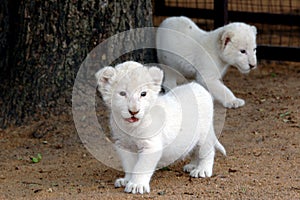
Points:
(43, 44)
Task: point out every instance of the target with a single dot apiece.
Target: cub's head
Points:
(129, 89)
(238, 46)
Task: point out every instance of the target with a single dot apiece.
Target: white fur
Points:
(184, 46)
(163, 128)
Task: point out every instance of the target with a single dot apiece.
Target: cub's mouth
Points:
(243, 71)
(131, 119)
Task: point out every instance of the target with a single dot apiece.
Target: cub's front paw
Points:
(121, 182)
(234, 103)
(137, 188)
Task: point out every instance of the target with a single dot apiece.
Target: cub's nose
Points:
(252, 66)
(133, 112)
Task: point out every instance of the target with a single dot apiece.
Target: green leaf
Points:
(39, 156)
(285, 114)
(165, 169)
(273, 74)
(35, 160)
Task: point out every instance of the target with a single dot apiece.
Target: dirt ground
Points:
(262, 141)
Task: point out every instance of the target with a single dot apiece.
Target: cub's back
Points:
(183, 25)
(178, 39)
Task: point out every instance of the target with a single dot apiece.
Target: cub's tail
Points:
(220, 147)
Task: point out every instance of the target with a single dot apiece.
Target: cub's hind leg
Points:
(205, 162)
(204, 158)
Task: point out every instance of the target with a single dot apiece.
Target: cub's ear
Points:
(105, 75)
(254, 29)
(225, 38)
(157, 75)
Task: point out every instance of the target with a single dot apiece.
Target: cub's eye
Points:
(122, 93)
(243, 51)
(143, 94)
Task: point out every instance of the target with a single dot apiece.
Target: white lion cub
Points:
(152, 130)
(206, 56)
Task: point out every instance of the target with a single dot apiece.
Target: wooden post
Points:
(221, 13)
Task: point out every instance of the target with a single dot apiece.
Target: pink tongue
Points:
(132, 119)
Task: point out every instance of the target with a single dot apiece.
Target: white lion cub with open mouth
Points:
(152, 130)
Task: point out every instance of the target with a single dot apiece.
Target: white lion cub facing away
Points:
(152, 130)
(206, 56)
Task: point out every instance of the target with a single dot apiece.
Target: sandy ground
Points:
(262, 142)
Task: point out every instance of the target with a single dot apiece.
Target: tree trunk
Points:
(43, 44)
